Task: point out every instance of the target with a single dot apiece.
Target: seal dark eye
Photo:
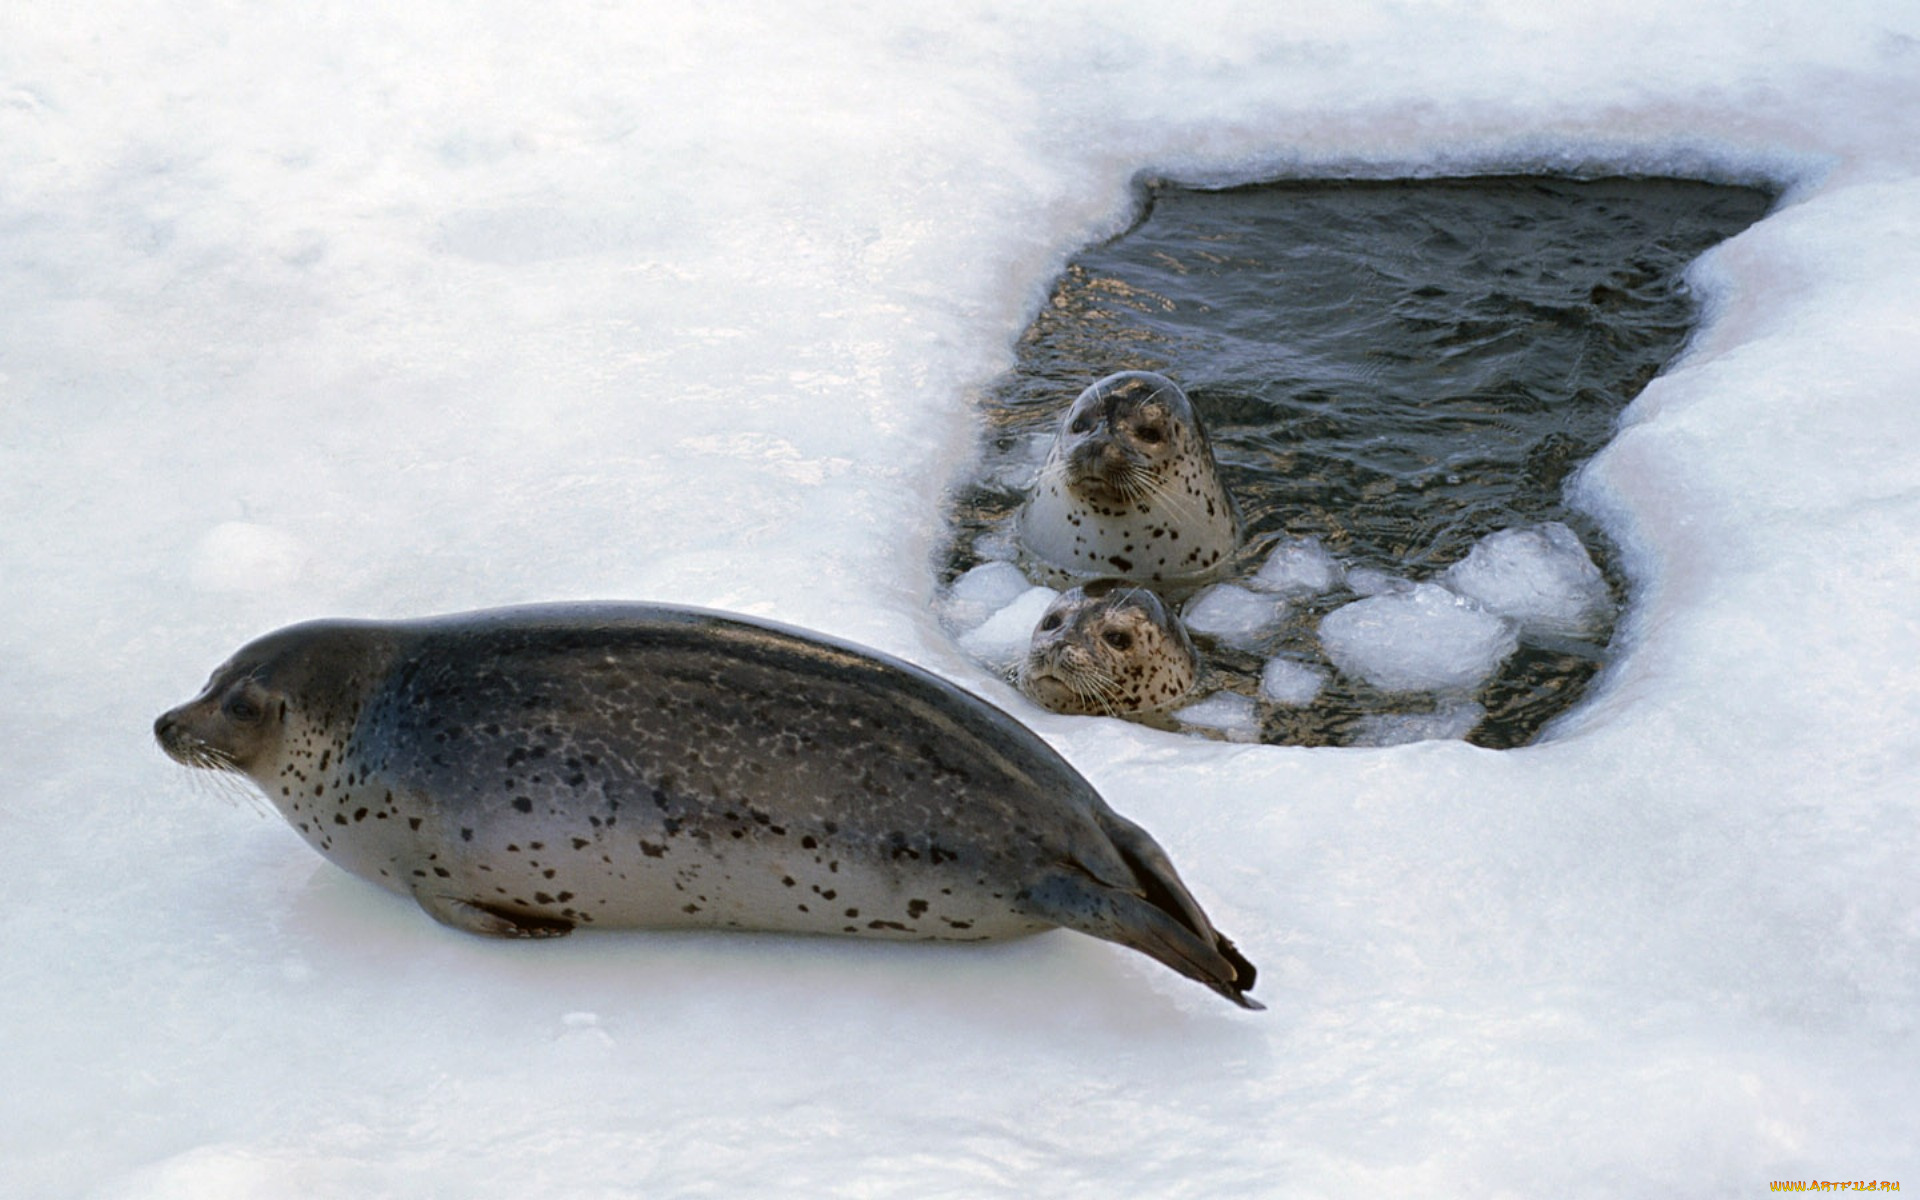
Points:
(1050, 621)
(1081, 424)
(1119, 639)
(240, 707)
(1153, 435)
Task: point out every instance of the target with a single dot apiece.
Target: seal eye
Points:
(1153, 435)
(1081, 424)
(241, 707)
(1119, 639)
(1050, 622)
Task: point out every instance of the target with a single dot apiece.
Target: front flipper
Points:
(488, 921)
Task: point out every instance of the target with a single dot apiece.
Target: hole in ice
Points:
(1398, 379)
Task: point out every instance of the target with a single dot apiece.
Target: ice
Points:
(1234, 616)
(997, 545)
(983, 591)
(1370, 581)
(1230, 714)
(479, 304)
(1297, 567)
(1421, 640)
(1540, 575)
(1291, 682)
(1449, 721)
(1001, 641)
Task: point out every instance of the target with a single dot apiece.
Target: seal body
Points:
(1110, 649)
(1130, 489)
(523, 772)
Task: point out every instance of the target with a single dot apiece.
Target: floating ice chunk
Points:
(1423, 639)
(1366, 581)
(1291, 682)
(1002, 639)
(1539, 575)
(1230, 713)
(1448, 722)
(238, 556)
(983, 591)
(997, 545)
(1234, 616)
(1297, 567)
(1021, 467)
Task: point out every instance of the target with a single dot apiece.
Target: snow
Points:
(1421, 640)
(1234, 616)
(384, 311)
(1540, 575)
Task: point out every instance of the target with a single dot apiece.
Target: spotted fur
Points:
(525, 772)
(1109, 649)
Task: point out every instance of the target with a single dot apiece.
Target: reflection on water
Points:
(1395, 368)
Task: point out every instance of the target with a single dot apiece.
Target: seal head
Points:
(524, 772)
(1130, 489)
(1109, 649)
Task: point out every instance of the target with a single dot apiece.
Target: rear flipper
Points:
(488, 921)
(1151, 912)
(1078, 901)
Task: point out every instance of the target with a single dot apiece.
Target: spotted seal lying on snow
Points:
(1130, 489)
(1109, 649)
(522, 772)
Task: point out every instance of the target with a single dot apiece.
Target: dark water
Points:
(1396, 368)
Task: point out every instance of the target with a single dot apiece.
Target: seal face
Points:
(1130, 489)
(523, 772)
(1108, 649)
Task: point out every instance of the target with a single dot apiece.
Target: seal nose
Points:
(163, 727)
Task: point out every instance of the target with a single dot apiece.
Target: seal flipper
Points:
(1152, 912)
(487, 921)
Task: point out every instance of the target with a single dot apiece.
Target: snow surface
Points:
(436, 306)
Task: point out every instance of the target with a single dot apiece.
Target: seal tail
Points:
(1152, 912)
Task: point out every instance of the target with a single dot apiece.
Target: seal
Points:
(1111, 649)
(524, 772)
(1130, 489)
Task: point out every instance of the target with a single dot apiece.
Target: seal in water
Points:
(1109, 649)
(525, 771)
(1130, 489)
